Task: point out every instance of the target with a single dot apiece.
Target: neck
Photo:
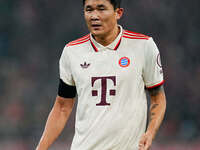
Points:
(109, 37)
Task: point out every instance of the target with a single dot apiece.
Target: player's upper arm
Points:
(66, 89)
(64, 104)
(157, 96)
(156, 90)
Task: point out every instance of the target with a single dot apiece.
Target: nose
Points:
(95, 15)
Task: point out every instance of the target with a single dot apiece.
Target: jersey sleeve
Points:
(152, 73)
(65, 69)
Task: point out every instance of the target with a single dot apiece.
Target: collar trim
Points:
(118, 44)
(94, 47)
(95, 44)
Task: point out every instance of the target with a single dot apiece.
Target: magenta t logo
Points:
(104, 88)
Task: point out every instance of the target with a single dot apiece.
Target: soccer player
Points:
(109, 69)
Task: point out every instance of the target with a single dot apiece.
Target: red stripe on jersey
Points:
(80, 39)
(134, 33)
(161, 83)
(135, 37)
(78, 42)
(130, 34)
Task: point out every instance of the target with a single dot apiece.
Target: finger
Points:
(141, 147)
(142, 144)
(142, 140)
(147, 146)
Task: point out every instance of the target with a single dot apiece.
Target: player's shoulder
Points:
(133, 35)
(79, 41)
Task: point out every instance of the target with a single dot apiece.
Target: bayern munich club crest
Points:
(124, 62)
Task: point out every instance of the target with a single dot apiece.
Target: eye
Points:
(88, 9)
(101, 8)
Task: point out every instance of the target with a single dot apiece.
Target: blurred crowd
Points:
(33, 34)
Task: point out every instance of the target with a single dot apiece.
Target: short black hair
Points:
(115, 3)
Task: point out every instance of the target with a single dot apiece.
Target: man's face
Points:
(100, 16)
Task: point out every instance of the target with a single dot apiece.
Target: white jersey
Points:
(110, 82)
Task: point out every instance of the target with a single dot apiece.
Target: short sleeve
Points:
(65, 69)
(152, 71)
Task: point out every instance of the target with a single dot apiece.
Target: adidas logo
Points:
(85, 65)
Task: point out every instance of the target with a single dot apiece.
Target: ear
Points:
(119, 13)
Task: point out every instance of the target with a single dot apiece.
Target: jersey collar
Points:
(112, 46)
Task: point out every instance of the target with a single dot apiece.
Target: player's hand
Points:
(145, 141)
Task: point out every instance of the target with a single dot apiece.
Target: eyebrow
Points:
(98, 6)
(101, 5)
(88, 6)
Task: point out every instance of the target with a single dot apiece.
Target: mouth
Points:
(96, 26)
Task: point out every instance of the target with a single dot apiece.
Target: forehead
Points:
(97, 2)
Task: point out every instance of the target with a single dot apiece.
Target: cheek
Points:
(111, 21)
(109, 18)
(86, 19)
(86, 15)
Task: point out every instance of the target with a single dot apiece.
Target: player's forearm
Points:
(54, 125)
(157, 111)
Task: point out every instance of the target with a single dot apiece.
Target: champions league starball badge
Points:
(159, 61)
(124, 62)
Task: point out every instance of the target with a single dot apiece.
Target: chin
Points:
(97, 33)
